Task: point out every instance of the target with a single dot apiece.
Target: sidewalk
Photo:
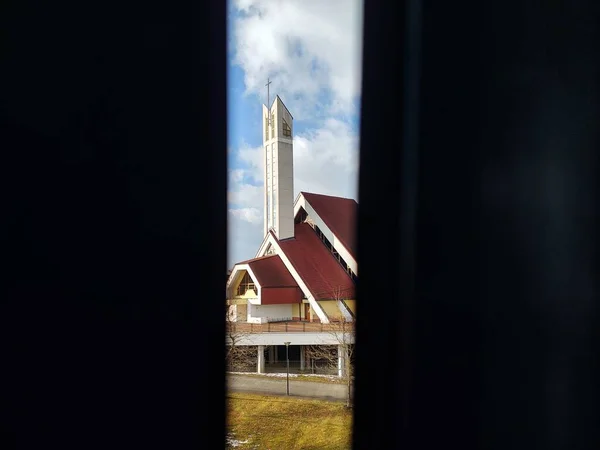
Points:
(277, 386)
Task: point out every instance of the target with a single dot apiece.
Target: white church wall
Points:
(265, 156)
(285, 194)
(279, 171)
(267, 313)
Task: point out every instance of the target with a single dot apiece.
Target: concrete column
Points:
(341, 361)
(302, 363)
(261, 359)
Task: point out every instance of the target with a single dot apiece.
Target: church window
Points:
(272, 125)
(266, 128)
(246, 284)
(287, 131)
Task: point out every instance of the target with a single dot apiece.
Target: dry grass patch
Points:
(317, 379)
(272, 423)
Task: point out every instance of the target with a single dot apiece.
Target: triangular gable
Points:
(272, 240)
(239, 267)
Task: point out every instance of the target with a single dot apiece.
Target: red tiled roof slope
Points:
(271, 272)
(339, 214)
(278, 286)
(280, 295)
(318, 268)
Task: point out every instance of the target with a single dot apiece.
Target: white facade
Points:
(268, 313)
(278, 170)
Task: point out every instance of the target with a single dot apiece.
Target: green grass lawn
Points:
(279, 423)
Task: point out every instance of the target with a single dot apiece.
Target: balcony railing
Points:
(288, 327)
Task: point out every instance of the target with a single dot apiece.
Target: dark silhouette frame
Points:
(113, 139)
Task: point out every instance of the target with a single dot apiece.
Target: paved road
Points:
(277, 386)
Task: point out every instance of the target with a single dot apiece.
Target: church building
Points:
(305, 269)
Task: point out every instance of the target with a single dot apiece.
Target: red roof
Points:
(271, 272)
(280, 296)
(316, 265)
(277, 285)
(248, 261)
(339, 214)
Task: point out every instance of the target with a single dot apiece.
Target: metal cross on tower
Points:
(268, 100)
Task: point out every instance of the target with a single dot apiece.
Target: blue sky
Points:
(311, 51)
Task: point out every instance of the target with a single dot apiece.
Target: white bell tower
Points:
(279, 169)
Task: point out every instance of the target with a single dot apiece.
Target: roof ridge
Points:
(247, 261)
(328, 196)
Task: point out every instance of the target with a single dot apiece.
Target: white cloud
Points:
(245, 195)
(252, 215)
(326, 160)
(311, 51)
(307, 48)
(243, 238)
(253, 158)
(236, 176)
